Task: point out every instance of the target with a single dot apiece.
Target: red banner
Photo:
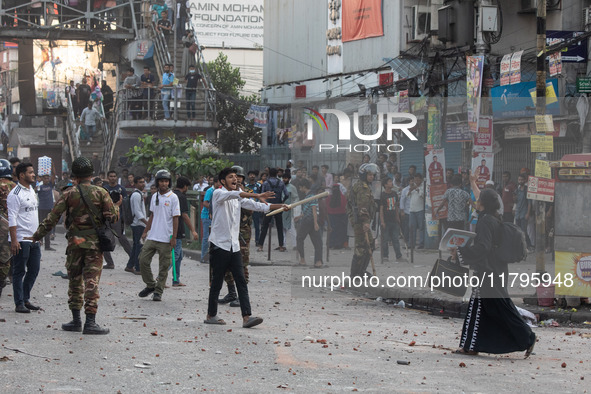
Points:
(362, 19)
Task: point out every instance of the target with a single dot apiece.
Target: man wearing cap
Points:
(161, 232)
(86, 207)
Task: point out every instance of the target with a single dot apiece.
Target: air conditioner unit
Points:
(421, 26)
(53, 135)
(531, 6)
(435, 5)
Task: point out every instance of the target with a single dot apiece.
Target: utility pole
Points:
(540, 206)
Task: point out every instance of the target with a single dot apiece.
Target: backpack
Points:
(126, 211)
(512, 247)
(278, 190)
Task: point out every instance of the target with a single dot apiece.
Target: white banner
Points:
(228, 23)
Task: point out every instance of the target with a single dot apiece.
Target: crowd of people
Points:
(32, 208)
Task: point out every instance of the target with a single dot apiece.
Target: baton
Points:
(295, 204)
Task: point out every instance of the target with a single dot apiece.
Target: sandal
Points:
(282, 249)
(252, 321)
(214, 320)
(530, 349)
(466, 352)
(318, 265)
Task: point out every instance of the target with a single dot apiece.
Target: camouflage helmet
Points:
(163, 174)
(5, 169)
(239, 171)
(82, 167)
(368, 168)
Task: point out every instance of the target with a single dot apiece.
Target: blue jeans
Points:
(191, 111)
(28, 259)
(391, 233)
(90, 130)
(522, 224)
(165, 104)
(178, 257)
(417, 222)
(134, 261)
(205, 223)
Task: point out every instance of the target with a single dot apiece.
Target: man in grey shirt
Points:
(138, 209)
(133, 93)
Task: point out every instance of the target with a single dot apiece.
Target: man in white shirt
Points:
(23, 220)
(89, 118)
(416, 194)
(161, 233)
(140, 220)
(224, 250)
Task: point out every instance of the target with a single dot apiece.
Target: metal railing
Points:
(161, 53)
(55, 15)
(183, 104)
(163, 56)
(72, 130)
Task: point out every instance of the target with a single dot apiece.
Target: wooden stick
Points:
(295, 204)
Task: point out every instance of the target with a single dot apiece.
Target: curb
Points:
(438, 305)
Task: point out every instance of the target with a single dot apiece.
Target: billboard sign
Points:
(228, 23)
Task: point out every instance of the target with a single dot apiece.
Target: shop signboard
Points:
(540, 189)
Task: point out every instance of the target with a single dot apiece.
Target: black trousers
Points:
(265, 228)
(220, 261)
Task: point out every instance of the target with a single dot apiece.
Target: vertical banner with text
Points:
(474, 67)
(435, 164)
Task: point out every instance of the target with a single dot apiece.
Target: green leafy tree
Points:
(183, 157)
(237, 135)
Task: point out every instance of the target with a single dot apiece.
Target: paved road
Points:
(177, 352)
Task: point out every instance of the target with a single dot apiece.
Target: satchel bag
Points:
(104, 231)
(446, 271)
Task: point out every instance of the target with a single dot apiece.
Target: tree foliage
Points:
(182, 157)
(237, 135)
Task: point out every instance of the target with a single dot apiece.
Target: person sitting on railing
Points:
(167, 82)
(164, 26)
(89, 119)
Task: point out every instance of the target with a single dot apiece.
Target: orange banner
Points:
(362, 19)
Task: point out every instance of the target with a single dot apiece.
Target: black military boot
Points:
(231, 296)
(91, 328)
(75, 324)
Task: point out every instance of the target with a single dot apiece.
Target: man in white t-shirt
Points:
(161, 233)
(23, 220)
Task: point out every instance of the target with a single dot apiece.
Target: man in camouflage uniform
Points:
(244, 237)
(361, 208)
(6, 185)
(84, 260)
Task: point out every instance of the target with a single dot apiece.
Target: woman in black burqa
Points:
(492, 323)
